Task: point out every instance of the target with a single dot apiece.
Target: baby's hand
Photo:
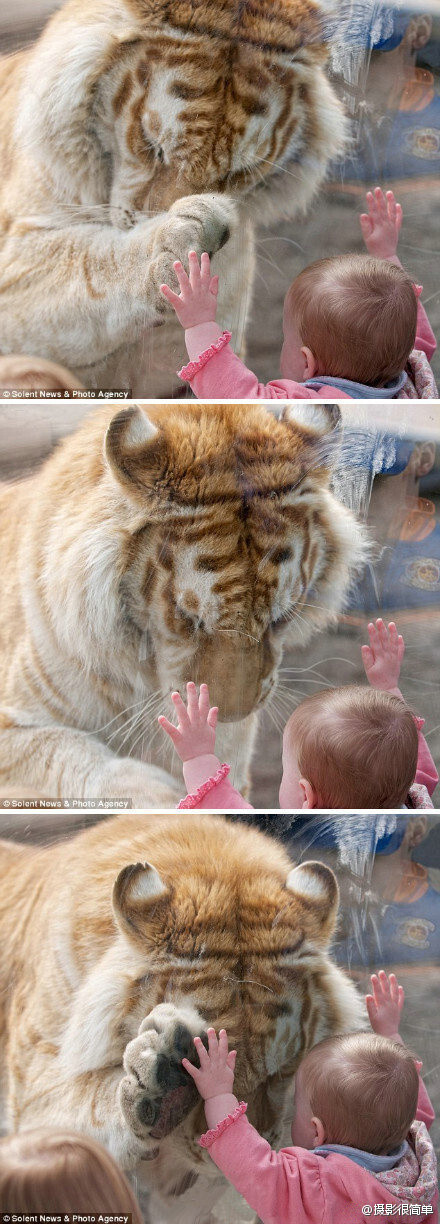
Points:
(195, 732)
(384, 1006)
(382, 659)
(215, 1075)
(381, 224)
(197, 301)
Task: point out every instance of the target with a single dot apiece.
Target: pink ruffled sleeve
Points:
(426, 773)
(209, 786)
(425, 339)
(425, 1112)
(208, 1138)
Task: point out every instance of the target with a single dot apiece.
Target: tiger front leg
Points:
(62, 762)
(77, 294)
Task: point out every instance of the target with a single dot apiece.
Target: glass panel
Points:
(387, 474)
(384, 66)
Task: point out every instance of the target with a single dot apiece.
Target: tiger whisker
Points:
(249, 982)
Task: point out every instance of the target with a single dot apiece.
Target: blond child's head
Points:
(351, 747)
(56, 1171)
(358, 1089)
(351, 317)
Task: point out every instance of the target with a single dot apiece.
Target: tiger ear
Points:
(134, 449)
(138, 891)
(318, 419)
(321, 423)
(315, 887)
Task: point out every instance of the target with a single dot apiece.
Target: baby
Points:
(359, 1132)
(350, 748)
(350, 324)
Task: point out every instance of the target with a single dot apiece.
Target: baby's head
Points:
(350, 317)
(49, 1170)
(359, 1090)
(351, 747)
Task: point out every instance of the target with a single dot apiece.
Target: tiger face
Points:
(242, 944)
(183, 99)
(233, 543)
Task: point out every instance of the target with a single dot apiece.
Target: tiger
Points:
(159, 544)
(111, 964)
(132, 131)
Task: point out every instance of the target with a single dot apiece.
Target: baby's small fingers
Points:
(212, 1042)
(399, 214)
(393, 635)
(192, 700)
(169, 727)
(397, 993)
(204, 700)
(202, 1053)
(205, 268)
(391, 205)
(231, 1059)
(375, 986)
(223, 1043)
(382, 631)
(173, 298)
(189, 1067)
(213, 287)
(212, 717)
(373, 636)
(182, 276)
(367, 656)
(180, 709)
(384, 983)
(194, 269)
(371, 1009)
(380, 201)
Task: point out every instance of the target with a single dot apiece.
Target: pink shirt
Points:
(215, 372)
(295, 1186)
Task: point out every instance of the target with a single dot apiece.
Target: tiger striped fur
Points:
(158, 545)
(99, 1001)
(132, 131)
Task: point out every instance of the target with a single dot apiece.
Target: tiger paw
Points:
(156, 1092)
(199, 223)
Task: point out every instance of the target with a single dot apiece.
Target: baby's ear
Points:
(134, 449)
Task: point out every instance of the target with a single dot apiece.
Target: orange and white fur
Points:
(157, 545)
(121, 944)
(132, 131)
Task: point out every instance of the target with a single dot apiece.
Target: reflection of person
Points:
(56, 1171)
(350, 324)
(399, 130)
(353, 747)
(359, 1130)
(399, 900)
(405, 526)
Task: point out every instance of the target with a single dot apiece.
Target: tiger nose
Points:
(232, 664)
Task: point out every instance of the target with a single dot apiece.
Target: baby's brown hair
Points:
(56, 1171)
(364, 1089)
(357, 747)
(358, 316)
